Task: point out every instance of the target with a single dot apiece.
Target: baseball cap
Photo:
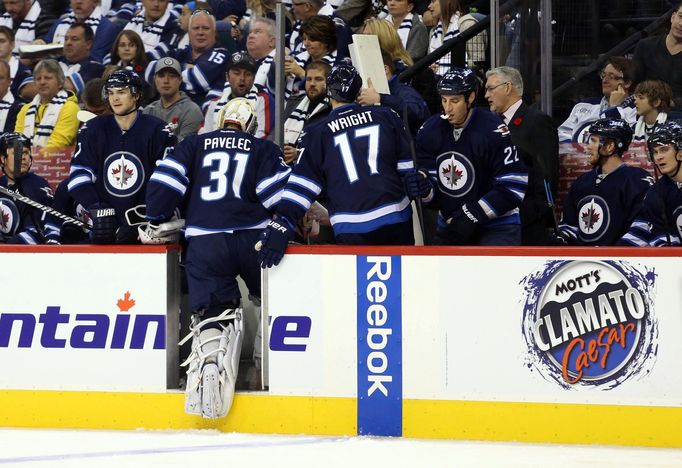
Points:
(244, 60)
(168, 62)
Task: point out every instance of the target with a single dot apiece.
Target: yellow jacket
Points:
(65, 129)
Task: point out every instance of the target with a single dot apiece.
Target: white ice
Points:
(209, 449)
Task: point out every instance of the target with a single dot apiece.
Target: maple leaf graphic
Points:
(589, 218)
(126, 303)
(4, 222)
(122, 174)
(452, 174)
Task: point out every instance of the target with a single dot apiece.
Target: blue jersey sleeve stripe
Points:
(169, 181)
(273, 200)
(196, 75)
(78, 181)
(371, 214)
(297, 199)
(520, 194)
(75, 168)
(405, 165)
(518, 178)
(27, 238)
(268, 182)
(77, 81)
(305, 183)
(173, 164)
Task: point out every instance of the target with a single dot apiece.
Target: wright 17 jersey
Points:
(357, 155)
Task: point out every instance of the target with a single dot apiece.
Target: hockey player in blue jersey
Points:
(358, 156)
(20, 223)
(602, 203)
(114, 158)
(659, 221)
(229, 182)
(470, 160)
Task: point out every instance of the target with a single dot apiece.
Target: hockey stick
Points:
(30, 202)
(413, 151)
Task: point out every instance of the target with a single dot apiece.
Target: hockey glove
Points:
(273, 241)
(163, 233)
(104, 224)
(417, 184)
(463, 226)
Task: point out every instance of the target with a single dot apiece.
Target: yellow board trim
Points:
(263, 413)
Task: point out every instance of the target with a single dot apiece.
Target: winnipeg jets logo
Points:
(455, 174)
(593, 218)
(124, 174)
(9, 216)
(677, 216)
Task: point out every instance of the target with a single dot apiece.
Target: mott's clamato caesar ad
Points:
(590, 323)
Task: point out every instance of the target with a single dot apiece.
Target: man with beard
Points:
(602, 203)
(303, 110)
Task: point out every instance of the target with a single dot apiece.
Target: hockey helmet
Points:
(239, 111)
(7, 141)
(615, 129)
(668, 133)
(458, 81)
(343, 83)
(123, 79)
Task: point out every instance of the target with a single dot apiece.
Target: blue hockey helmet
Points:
(344, 83)
(7, 140)
(667, 133)
(458, 81)
(123, 79)
(617, 130)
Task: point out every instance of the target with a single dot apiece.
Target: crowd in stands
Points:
(194, 58)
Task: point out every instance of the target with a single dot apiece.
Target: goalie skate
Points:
(213, 364)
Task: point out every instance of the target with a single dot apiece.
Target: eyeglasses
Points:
(202, 11)
(490, 88)
(610, 76)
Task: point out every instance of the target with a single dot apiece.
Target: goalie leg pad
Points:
(213, 364)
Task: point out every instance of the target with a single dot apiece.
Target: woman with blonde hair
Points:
(389, 41)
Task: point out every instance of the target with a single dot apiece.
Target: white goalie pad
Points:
(213, 365)
(164, 233)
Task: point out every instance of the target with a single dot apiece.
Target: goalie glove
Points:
(163, 233)
(273, 241)
(104, 224)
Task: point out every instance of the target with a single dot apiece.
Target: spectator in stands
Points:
(22, 86)
(602, 203)
(9, 106)
(27, 19)
(401, 98)
(535, 136)
(304, 10)
(90, 13)
(19, 222)
(319, 39)
(260, 44)
(50, 119)
(173, 105)
(204, 63)
(241, 74)
(653, 100)
(659, 222)
(660, 57)
(91, 96)
(424, 81)
(77, 62)
(447, 12)
(127, 51)
(306, 109)
(617, 83)
(412, 32)
(182, 40)
(155, 23)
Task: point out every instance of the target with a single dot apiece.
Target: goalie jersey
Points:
(660, 218)
(599, 208)
(356, 155)
(113, 166)
(20, 223)
(477, 163)
(229, 179)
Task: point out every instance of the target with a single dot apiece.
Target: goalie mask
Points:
(239, 112)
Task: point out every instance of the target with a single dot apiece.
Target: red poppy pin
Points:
(138, 68)
(517, 121)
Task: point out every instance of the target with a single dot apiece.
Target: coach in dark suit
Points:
(536, 139)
